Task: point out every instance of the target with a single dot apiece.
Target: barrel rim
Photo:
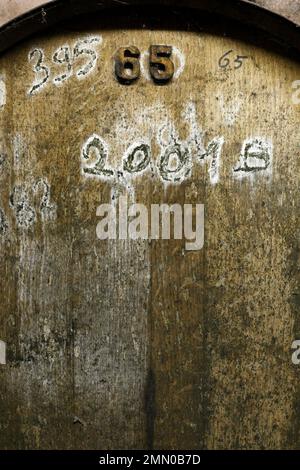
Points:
(279, 29)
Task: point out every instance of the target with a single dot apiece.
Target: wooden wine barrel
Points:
(130, 344)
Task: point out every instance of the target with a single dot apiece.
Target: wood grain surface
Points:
(11, 9)
(142, 344)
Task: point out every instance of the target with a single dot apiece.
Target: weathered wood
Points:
(138, 344)
(12, 9)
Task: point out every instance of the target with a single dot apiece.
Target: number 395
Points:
(128, 68)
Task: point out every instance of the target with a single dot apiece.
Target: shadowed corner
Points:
(150, 408)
